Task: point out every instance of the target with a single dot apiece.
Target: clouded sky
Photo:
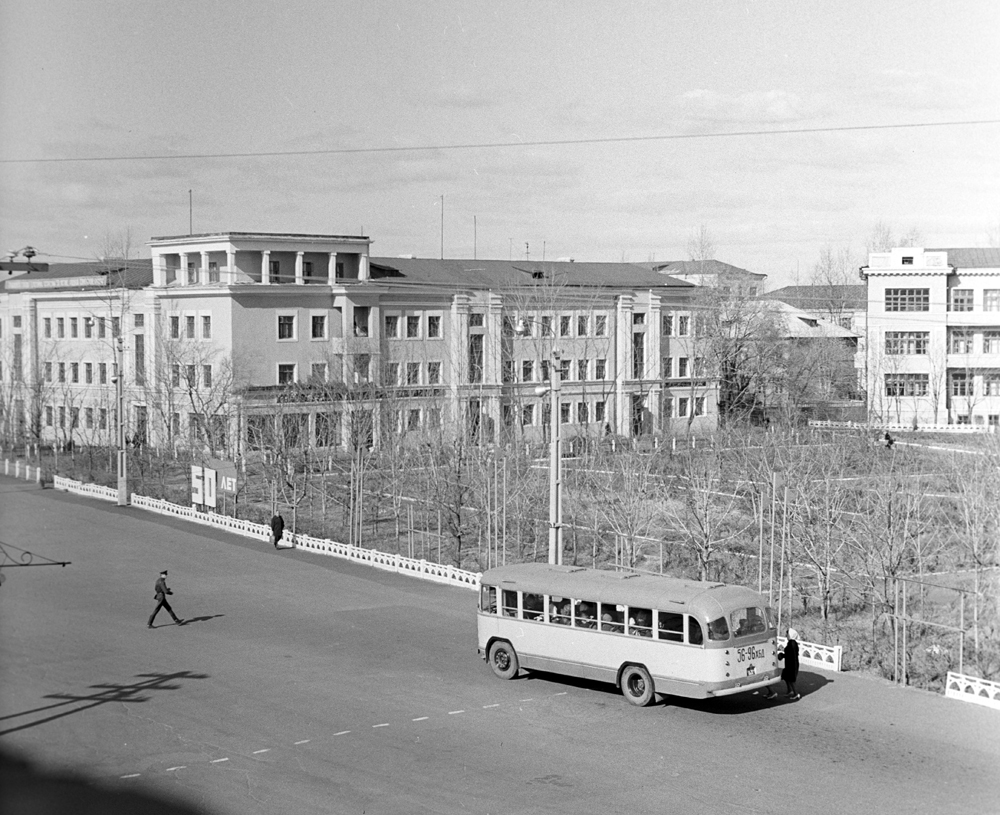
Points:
(604, 128)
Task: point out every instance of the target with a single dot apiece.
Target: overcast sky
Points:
(96, 79)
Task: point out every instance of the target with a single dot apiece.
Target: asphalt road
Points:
(305, 684)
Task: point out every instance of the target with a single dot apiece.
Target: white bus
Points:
(648, 634)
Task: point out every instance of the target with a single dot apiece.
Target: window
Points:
(274, 269)
(906, 384)
(670, 626)
(682, 367)
(991, 342)
(547, 325)
(412, 327)
(667, 325)
(392, 373)
(286, 327)
(188, 326)
(667, 368)
(88, 372)
(991, 300)
(718, 629)
(286, 373)
(362, 368)
(640, 622)
(62, 416)
(961, 300)
(190, 378)
(175, 376)
(699, 406)
(682, 407)
(318, 372)
(60, 327)
(140, 359)
(585, 614)
(48, 415)
(412, 373)
(564, 369)
(48, 371)
(600, 325)
(546, 374)
(434, 327)
(102, 328)
(318, 326)
(307, 268)
(527, 415)
(328, 429)
(961, 342)
(74, 372)
(206, 376)
(74, 417)
(433, 373)
(102, 419)
(528, 371)
(62, 371)
(88, 327)
(88, 416)
(991, 384)
(683, 325)
(907, 300)
(433, 418)
(102, 369)
(391, 326)
(206, 327)
(612, 618)
(47, 324)
(361, 317)
(581, 369)
(17, 321)
(667, 407)
(476, 319)
(906, 342)
(213, 271)
(175, 328)
(138, 320)
(582, 326)
(639, 318)
(600, 368)
(564, 412)
(564, 325)
(582, 413)
(961, 384)
(599, 412)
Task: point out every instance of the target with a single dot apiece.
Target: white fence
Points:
(903, 427)
(974, 690)
(22, 470)
(814, 655)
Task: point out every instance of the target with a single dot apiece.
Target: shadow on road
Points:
(25, 788)
(739, 703)
(203, 619)
(77, 703)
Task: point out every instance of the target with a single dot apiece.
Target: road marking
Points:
(561, 693)
(453, 712)
(217, 760)
(265, 750)
(342, 733)
(489, 706)
(171, 769)
(130, 775)
(421, 719)
(384, 724)
(304, 741)
(527, 700)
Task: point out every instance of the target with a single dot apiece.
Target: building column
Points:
(299, 279)
(230, 276)
(203, 271)
(265, 266)
(363, 271)
(331, 268)
(182, 271)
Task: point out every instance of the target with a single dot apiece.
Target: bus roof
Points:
(702, 599)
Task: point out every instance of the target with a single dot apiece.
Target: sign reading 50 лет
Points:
(208, 482)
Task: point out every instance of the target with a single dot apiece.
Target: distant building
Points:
(933, 351)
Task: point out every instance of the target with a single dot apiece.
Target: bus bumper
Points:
(744, 687)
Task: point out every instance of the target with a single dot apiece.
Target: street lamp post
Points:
(555, 464)
(120, 394)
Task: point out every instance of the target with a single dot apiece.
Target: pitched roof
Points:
(799, 324)
(700, 267)
(822, 298)
(497, 274)
(134, 273)
(982, 258)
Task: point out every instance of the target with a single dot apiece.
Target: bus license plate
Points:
(747, 654)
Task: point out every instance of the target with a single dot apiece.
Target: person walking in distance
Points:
(277, 528)
(791, 657)
(161, 600)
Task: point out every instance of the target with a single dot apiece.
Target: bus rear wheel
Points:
(637, 685)
(503, 659)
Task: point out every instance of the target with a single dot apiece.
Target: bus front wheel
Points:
(503, 659)
(637, 685)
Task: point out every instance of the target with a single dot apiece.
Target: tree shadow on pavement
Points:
(112, 692)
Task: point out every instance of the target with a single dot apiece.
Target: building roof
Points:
(799, 324)
(263, 235)
(501, 274)
(134, 273)
(981, 258)
(822, 298)
(701, 267)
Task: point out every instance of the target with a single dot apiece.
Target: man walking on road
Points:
(161, 600)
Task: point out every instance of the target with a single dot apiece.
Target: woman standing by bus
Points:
(791, 657)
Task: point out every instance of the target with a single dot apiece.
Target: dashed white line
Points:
(527, 700)
(561, 693)
(130, 775)
(489, 706)
(384, 724)
(453, 712)
(342, 733)
(421, 718)
(304, 741)
(217, 760)
(265, 750)
(171, 769)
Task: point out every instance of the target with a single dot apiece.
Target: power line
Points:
(506, 144)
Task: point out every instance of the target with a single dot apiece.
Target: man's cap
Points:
(163, 572)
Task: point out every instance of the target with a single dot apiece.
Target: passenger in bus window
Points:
(638, 623)
(533, 605)
(611, 619)
(585, 616)
(559, 611)
(718, 629)
(694, 632)
(671, 626)
(489, 600)
(509, 603)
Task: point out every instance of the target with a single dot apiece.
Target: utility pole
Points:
(120, 393)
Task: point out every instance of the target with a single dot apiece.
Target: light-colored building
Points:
(235, 341)
(933, 328)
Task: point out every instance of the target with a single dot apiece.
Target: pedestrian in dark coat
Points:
(162, 591)
(791, 657)
(277, 528)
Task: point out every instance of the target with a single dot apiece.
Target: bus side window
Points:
(694, 632)
(640, 622)
(533, 606)
(671, 626)
(559, 611)
(718, 629)
(509, 603)
(488, 599)
(586, 615)
(612, 618)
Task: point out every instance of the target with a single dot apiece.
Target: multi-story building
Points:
(232, 339)
(934, 336)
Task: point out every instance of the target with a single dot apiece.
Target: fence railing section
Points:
(815, 655)
(21, 469)
(90, 490)
(972, 689)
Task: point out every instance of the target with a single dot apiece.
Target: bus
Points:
(648, 634)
